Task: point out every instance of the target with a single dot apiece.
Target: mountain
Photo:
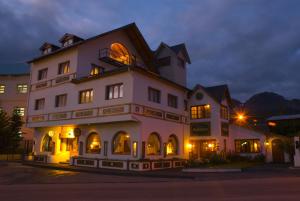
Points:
(266, 104)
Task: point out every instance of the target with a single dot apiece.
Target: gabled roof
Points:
(46, 45)
(67, 36)
(133, 34)
(218, 93)
(181, 48)
(176, 49)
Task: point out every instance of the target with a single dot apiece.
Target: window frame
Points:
(224, 112)
(61, 68)
(22, 87)
(20, 111)
(238, 145)
(2, 88)
(206, 115)
(120, 87)
(57, 100)
(39, 76)
(91, 97)
(36, 104)
(171, 103)
(156, 92)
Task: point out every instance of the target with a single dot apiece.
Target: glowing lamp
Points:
(51, 133)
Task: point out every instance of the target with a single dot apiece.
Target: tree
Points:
(15, 125)
(4, 131)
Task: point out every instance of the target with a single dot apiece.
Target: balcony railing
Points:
(115, 58)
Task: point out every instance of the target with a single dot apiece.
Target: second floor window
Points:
(61, 100)
(42, 74)
(114, 91)
(96, 70)
(224, 112)
(22, 88)
(64, 68)
(200, 112)
(39, 104)
(2, 89)
(86, 96)
(153, 95)
(172, 101)
(20, 111)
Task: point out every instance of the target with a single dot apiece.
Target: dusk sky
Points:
(251, 45)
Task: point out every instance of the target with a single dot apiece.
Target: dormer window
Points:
(47, 50)
(68, 42)
(69, 39)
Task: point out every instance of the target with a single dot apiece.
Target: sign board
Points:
(200, 129)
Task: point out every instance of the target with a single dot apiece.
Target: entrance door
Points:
(277, 151)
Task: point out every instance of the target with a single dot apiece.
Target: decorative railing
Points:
(109, 111)
(53, 82)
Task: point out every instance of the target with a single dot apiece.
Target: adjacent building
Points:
(14, 90)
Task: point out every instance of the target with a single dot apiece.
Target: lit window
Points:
(153, 144)
(200, 111)
(2, 89)
(64, 68)
(20, 111)
(96, 70)
(93, 143)
(22, 88)
(247, 146)
(47, 144)
(135, 149)
(61, 100)
(86, 96)
(172, 146)
(119, 53)
(121, 143)
(153, 95)
(114, 91)
(42, 74)
(39, 104)
(224, 112)
(172, 101)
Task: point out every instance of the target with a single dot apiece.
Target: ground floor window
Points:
(153, 144)
(93, 143)
(121, 143)
(47, 144)
(172, 145)
(203, 148)
(247, 146)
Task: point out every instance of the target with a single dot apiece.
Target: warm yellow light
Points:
(189, 146)
(207, 106)
(210, 145)
(51, 133)
(267, 143)
(71, 133)
(241, 117)
(272, 124)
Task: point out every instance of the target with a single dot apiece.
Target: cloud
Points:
(251, 45)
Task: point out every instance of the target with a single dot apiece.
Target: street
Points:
(19, 182)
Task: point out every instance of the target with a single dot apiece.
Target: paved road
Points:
(27, 183)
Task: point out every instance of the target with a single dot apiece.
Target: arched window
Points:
(172, 145)
(119, 53)
(153, 144)
(47, 144)
(93, 143)
(121, 143)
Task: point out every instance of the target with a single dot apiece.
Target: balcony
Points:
(116, 58)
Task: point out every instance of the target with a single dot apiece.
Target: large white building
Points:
(110, 101)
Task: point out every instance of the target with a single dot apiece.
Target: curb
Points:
(155, 174)
(210, 170)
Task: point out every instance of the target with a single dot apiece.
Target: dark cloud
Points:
(252, 45)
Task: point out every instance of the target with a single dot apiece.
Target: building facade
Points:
(14, 90)
(110, 101)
